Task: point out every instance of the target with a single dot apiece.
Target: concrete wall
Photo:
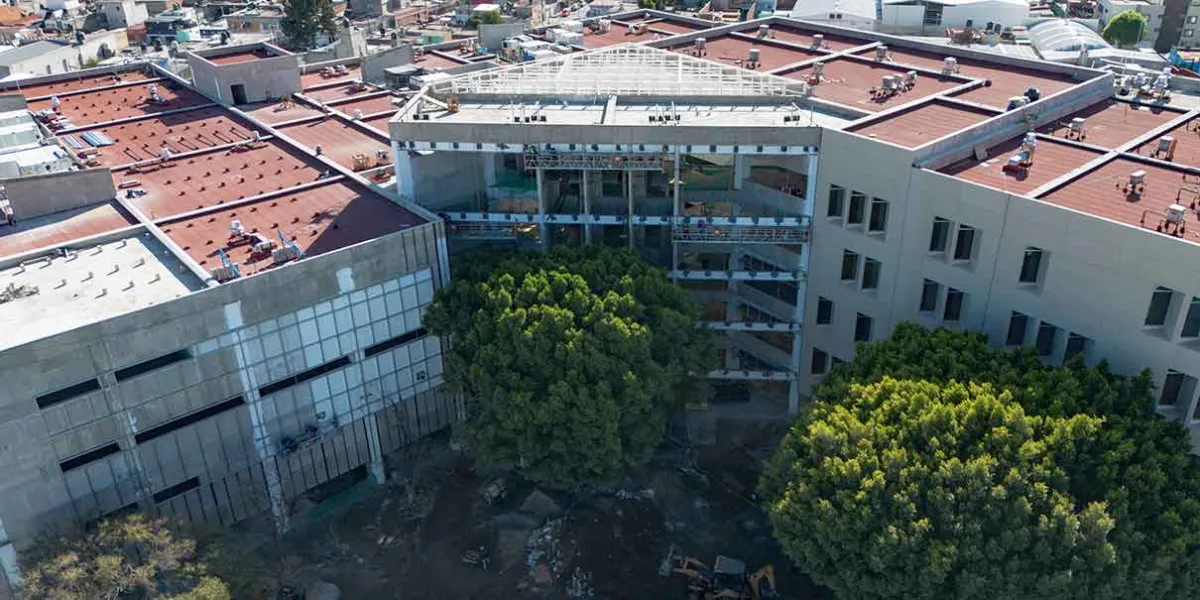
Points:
(125, 13)
(14, 87)
(44, 194)
(1098, 276)
(239, 337)
(263, 79)
(374, 64)
(12, 102)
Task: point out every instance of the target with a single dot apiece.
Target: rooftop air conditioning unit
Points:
(752, 56)
(818, 40)
(1175, 214)
(949, 65)
(764, 31)
(1137, 179)
(881, 52)
(698, 43)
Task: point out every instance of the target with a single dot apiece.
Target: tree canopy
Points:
(570, 360)
(304, 19)
(1124, 29)
(128, 557)
(934, 466)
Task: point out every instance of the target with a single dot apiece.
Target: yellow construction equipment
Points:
(362, 162)
(452, 103)
(726, 580)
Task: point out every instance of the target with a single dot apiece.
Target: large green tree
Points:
(1125, 28)
(1109, 462)
(570, 360)
(304, 19)
(128, 557)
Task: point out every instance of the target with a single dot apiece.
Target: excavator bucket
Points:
(668, 562)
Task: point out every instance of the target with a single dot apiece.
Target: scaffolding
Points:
(594, 161)
(740, 235)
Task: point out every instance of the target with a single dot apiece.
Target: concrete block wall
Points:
(233, 341)
(39, 195)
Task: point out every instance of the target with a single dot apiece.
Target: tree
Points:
(1109, 461)
(136, 556)
(304, 19)
(1125, 29)
(488, 18)
(570, 360)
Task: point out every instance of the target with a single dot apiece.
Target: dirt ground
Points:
(405, 539)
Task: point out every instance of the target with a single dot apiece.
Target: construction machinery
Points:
(726, 580)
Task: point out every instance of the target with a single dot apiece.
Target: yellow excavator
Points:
(726, 580)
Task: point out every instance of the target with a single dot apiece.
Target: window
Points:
(862, 328)
(1172, 388)
(1018, 324)
(940, 235)
(1045, 339)
(858, 208)
(72, 391)
(870, 280)
(849, 265)
(153, 364)
(1191, 322)
(179, 423)
(1191, 20)
(964, 243)
(1031, 265)
(824, 311)
(1160, 303)
(929, 295)
(837, 202)
(820, 362)
(1189, 32)
(879, 215)
(954, 303)
(1076, 344)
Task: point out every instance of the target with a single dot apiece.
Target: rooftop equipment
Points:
(881, 53)
(910, 79)
(1077, 130)
(764, 31)
(1175, 214)
(1017, 102)
(949, 65)
(1165, 148)
(1135, 185)
(1023, 159)
(752, 58)
(818, 40)
(698, 46)
(236, 229)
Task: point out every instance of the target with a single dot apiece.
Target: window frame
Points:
(972, 236)
(944, 241)
(1191, 321)
(958, 304)
(929, 307)
(812, 363)
(858, 199)
(1159, 292)
(1025, 277)
(839, 193)
(1012, 322)
(870, 325)
(1045, 326)
(878, 206)
(867, 264)
(824, 302)
(853, 275)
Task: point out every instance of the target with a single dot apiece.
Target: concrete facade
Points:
(260, 80)
(186, 407)
(44, 194)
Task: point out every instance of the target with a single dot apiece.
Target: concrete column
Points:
(586, 187)
(541, 207)
(378, 473)
(739, 170)
(404, 174)
(629, 198)
(677, 208)
(263, 446)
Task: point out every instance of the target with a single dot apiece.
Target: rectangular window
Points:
(862, 328)
(1076, 344)
(930, 291)
(298, 378)
(837, 202)
(177, 489)
(1018, 324)
(89, 457)
(820, 362)
(858, 208)
(849, 265)
(1191, 20)
(1045, 339)
(392, 343)
(879, 215)
(1160, 303)
(824, 311)
(964, 243)
(870, 280)
(940, 235)
(1189, 32)
(59, 396)
(180, 422)
(152, 364)
(954, 303)
(1191, 322)
(1172, 388)
(1031, 265)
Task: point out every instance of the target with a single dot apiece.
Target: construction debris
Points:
(16, 292)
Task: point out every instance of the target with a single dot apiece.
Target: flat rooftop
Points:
(323, 77)
(62, 227)
(1187, 144)
(1113, 123)
(619, 33)
(922, 124)
(804, 37)
(342, 91)
(181, 132)
(368, 105)
(849, 82)
(319, 220)
(1104, 192)
(436, 61)
(109, 104)
(733, 50)
(1052, 159)
(674, 27)
(91, 284)
(201, 181)
(234, 58)
(338, 140)
(64, 86)
(272, 113)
